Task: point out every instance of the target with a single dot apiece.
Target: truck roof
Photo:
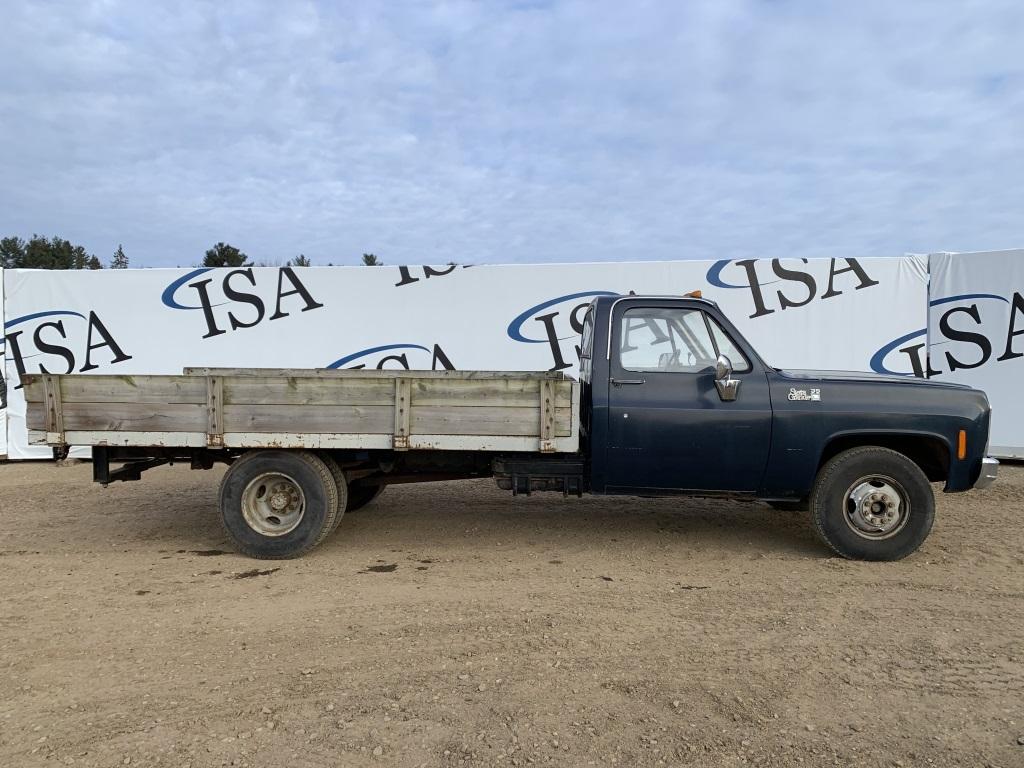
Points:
(613, 299)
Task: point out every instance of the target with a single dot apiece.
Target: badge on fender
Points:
(803, 394)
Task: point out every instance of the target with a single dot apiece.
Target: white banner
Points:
(824, 313)
(3, 376)
(976, 334)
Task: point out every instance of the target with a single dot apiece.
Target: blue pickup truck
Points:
(671, 400)
(677, 401)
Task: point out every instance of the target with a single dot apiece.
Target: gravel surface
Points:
(452, 624)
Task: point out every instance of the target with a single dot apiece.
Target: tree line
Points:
(57, 253)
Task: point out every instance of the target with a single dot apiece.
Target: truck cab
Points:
(678, 402)
(664, 418)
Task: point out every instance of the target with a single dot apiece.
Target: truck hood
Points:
(800, 375)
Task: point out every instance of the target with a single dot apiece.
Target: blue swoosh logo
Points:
(167, 297)
(36, 315)
(341, 361)
(515, 327)
(714, 276)
(965, 296)
(878, 359)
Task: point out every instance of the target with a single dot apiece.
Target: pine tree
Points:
(224, 255)
(119, 260)
(42, 253)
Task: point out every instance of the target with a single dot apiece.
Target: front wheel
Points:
(872, 503)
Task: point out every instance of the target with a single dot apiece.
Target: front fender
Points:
(919, 419)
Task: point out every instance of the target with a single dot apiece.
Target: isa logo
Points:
(410, 275)
(233, 300)
(971, 330)
(61, 341)
(554, 321)
(409, 357)
(789, 287)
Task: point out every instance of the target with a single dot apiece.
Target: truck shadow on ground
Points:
(623, 523)
(461, 516)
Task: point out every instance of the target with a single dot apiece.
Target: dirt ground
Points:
(451, 624)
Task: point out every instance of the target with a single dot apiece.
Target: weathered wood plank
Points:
(295, 390)
(35, 401)
(215, 411)
(133, 389)
(329, 373)
(135, 417)
(54, 411)
(307, 441)
(364, 419)
(32, 384)
(481, 420)
(547, 414)
(484, 392)
(271, 390)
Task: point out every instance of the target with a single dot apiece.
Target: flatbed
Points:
(251, 408)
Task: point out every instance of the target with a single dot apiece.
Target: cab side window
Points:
(727, 347)
(587, 339)
(667, 340)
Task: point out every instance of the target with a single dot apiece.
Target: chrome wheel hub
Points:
(876, 507)
(273, 504)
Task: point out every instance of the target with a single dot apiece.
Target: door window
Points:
(672, 340)
(663, 339)
(725, 346)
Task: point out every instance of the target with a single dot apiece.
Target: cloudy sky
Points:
(491, 132)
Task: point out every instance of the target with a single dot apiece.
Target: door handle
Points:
(620, 382)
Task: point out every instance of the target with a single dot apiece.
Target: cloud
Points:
(529, 131)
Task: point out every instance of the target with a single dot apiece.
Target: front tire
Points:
(278, 504)
(872, 503)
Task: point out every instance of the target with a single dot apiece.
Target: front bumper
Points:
(989, 470)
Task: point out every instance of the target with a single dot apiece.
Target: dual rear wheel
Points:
(278, 504)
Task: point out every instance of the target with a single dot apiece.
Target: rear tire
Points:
(278, 504)
(342, 485)
(872, 503)
(351, 496)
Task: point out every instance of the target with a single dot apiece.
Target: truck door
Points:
(669, 429)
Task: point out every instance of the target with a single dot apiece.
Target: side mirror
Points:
(727, 386)
(723, 368)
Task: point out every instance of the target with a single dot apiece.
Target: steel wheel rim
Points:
(273, 504)
(876, 507)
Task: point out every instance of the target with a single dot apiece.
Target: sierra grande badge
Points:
(803, 394)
